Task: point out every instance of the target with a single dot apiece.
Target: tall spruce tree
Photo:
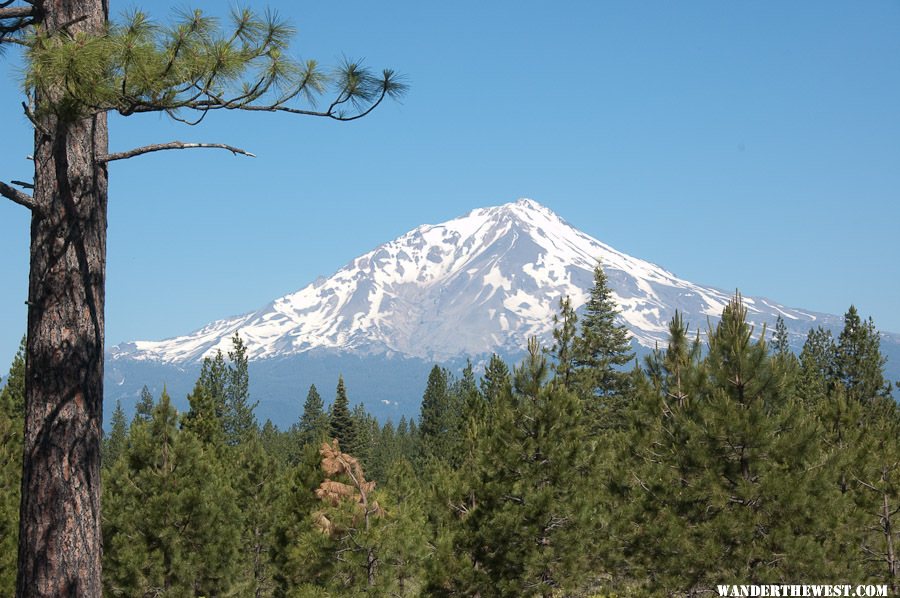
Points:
(238, 418)
(313, 426)
(600, 352)
(341, 423)
(439, 419)
(79, 68)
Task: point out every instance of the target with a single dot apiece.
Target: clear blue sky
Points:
(738, 144)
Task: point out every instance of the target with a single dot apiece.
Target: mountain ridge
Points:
(482, 282)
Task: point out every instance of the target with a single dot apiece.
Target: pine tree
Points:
(171, 521)
(115, 444)
(204, 418)
(12, 414)
(817, 366)
(253, 474)
(341, 423)
(729, 477)
(313, 426)
(143, 411)
(564, 334)
(238, 419)
(496, 381)
(79, 68)
(525, 525)
(859, 363)
(294, 507)
(876, 474)
(439, 419)
(12, 395)
(780, 344)
(367, 432)
(600, 351)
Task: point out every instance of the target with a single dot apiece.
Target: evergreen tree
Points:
(294, 508)
(859, 365)
(80, 67)
(253, 474)
(171, 525)
(12, 413)
(728, 477)
(115, 444)
(496, 381)
(564, 335)
(341, 424)
(780, 344)
(12, 395)
(526, 516)
(144, 409)
(204, 417)
(877, 477)
(353, 545)
(817, 365)
(367, 433)
(238, 418)
(600, 351)
(314, 425)
(439, 418)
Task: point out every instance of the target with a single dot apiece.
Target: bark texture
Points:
(60, 541)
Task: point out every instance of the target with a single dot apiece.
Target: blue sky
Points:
(752, 145)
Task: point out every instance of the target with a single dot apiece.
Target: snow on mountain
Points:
(483, 282)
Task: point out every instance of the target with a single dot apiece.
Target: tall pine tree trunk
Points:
(60, 542)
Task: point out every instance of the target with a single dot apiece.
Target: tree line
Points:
(580, 471)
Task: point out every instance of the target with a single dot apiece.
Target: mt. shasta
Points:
(477, 284)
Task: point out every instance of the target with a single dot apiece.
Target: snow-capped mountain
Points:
(479, 283)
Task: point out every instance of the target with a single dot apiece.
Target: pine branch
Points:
(172, 145)
(17, 12)
(16, 196)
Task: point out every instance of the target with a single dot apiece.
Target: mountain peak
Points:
(482, 282)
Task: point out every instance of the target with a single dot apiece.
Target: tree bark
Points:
(60, 541)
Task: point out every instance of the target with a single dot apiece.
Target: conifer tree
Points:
(877, 478)
(115, 444)
(313, 425)
(238, 418)
(144, 409)
(439, 418)
(203, 418)
(729, 477)
(12, 395)
(564, 334)
(341, 423)
(367, 433)
(295, 505)
(171, 521)
(253, 474)
(12, 413)
(859, 363)
(79, 68)
(496, 381)
(525, 530)
(817, 365)
(600, 351)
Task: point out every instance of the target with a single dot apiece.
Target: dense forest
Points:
(722, 458)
